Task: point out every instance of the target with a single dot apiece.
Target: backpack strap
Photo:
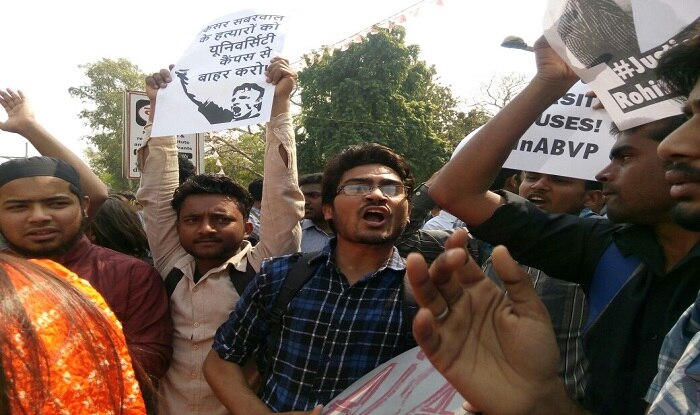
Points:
(172, 280)
(240, 279)
(298, 275)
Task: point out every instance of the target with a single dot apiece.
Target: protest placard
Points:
(219, 83)
(600, 40)
(407, 384)
(569, 139)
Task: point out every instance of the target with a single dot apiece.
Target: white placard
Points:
(136, 108)
(407, 384)
(219, 83)
(569, 139)
(599, 40)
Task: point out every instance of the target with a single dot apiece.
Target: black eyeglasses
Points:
(389, 190)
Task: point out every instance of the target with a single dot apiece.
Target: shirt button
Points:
(190, 408)
(654, 336)
(196, 324)
(196, 347)
(194, 375)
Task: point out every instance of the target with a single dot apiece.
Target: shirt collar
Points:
(395, 262)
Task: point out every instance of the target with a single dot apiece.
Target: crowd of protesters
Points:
(201, 295)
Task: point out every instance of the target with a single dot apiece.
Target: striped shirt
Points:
(676, 387)
(332, 333)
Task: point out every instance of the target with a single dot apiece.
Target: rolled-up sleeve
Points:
(157, 160)
(282, 205)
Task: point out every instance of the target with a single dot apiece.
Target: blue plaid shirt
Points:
(676, 388)
(332, 333)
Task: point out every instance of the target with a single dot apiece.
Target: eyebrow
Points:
(616, 151)
(44, 200)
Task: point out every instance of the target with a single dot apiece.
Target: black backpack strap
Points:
(171, 280)
(300, 273)
(241, 279)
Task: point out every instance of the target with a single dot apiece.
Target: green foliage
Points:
(241, 154)
(108, 79)
(379, 91)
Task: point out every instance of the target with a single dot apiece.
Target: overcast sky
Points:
(44, 42)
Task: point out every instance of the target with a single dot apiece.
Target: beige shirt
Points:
(199, 309)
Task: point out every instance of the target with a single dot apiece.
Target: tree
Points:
(497, 92)
(108, 79)
(377, 91)
(241, 153)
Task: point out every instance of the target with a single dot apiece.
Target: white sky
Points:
(43, 42)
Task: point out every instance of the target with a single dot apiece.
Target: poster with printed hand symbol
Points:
(220, 81)
(615, 45)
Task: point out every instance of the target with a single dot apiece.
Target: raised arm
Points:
(21, 120)
(463, 183)
(282, 205)
(157, 160)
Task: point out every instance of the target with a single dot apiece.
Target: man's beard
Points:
(50, 253)
(386, 239)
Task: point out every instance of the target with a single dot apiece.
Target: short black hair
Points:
(360, 155)
(311, 178)
(248, 86)
(216, 184)
(679, 68)
(256, 189)
(504, 174)
(669, 125)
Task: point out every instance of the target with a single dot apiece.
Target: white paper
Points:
(406, 384)
(219, 83)
(598, 39)
(569, 139)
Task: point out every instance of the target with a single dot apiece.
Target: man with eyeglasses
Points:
(350, 315)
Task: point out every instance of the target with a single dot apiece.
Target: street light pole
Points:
(516, 42)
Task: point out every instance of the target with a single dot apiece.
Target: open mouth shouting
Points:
(375, 216)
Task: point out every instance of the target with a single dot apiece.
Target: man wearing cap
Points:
(42, 215)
